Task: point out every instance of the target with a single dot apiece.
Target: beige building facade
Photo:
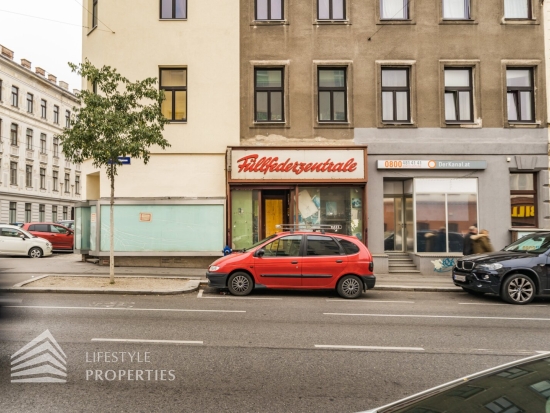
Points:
(175, 205)
(37, 184)
(448, 97)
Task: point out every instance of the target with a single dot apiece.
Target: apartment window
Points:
(331, 9)
(56, 114)
(332, 95)
(523, 200)
(173, 82)
(28, 216)
(67, 119)
(43, 108)
(94, 13)
(394, 9)
(503, 405)
(13, 212)
(520, 95)
(54, 213)
(29, 139)
(269, 9)
(513, 373)
(173, 9)
(30, 103)
(28, 176)
(542, 388)
(517, 9)
(55, 178)
(42, 212)
(67, 183)
(13, 134)
(13, 173)
(65, 213)
(0, 90)
(42, 143)
(456, 9)
(458, 95)
(42, 178)
(395, 95)
(269, 95)
(15, 96)
(56, 146)
(77, 184)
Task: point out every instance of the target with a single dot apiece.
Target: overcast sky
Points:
(47, 44)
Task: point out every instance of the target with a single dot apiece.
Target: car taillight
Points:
(371, 266)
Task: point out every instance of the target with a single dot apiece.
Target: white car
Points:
(16, 241)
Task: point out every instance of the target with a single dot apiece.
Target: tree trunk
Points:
(112, 231)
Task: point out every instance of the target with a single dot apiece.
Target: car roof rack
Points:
(306, 227)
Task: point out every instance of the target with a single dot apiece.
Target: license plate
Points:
(460, 278)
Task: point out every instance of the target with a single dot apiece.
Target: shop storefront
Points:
(302, 186)
(421, 209)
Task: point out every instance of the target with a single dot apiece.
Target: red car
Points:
(62, 238)
(297, 260)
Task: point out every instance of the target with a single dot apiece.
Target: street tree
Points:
(118, 118)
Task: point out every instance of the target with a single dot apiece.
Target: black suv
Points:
(517, 274)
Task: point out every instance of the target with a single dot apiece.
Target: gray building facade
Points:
(448, 96)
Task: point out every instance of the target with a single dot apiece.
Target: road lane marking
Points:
(442, 316)
(45, 307)
(244, 298)
(532, 305)
(370, 347)
(371, 301)
(199, 295)
(132, 340)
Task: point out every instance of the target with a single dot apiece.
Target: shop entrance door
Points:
(398, 217)
(275, 210)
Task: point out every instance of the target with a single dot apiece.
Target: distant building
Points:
(36, 182)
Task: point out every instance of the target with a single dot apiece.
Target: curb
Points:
(192, 286)
(418, 288)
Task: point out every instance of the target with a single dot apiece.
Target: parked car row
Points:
(35, 239)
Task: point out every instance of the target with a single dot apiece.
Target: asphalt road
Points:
(271, 352)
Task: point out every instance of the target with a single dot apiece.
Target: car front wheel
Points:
(350, 286)
(518, 289)
(35, 252)
(240, 284)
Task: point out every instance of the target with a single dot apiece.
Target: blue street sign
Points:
(123, 160)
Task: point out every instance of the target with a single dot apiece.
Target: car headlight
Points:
(490, 267)
(213, 268)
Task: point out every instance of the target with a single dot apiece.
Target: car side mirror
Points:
(260, 253)
(23, 237)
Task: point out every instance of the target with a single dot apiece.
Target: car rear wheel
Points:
(518, 289)
(35, 252)
(473, 292)
(240, 284)
(350, 286)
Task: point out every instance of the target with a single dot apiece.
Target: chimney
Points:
(63, 85)
(7, 52)
(25, 63)
(52, 78)
(40, 71)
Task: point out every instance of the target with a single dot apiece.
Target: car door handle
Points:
(339, 261)
(294, 262)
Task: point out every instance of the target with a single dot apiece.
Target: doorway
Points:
(275, 210)
(398, 216)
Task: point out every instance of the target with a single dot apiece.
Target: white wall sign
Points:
(429, 164)
(297, 164)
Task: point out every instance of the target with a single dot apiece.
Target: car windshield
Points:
(259, 243)
(28, 234)
(534, 243)
(521, 388)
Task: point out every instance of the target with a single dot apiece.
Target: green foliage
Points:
(122, 119)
